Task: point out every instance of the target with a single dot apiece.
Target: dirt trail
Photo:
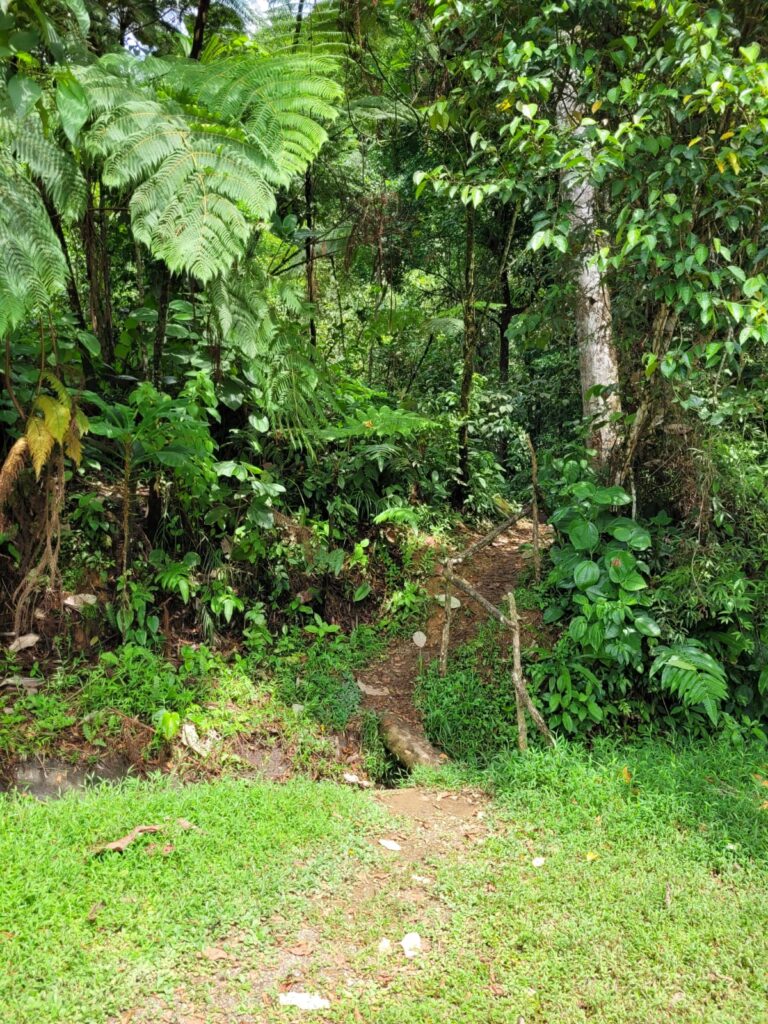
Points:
(494, 570)
(339, 943)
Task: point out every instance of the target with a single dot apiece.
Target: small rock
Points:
(297, 709)
(420, 639)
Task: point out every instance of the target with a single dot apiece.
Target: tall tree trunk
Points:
(598, 362)
(505, 320)
(309, 241)
(198, 32)
(461, 492)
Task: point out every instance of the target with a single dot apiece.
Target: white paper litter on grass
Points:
(411, 944)
(390, 844)
(304, 1000)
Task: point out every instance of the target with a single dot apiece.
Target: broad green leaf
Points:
(23, 92)
(72, 104)
(620, 564)
(583, 535)
(586, 574)
(646, 625)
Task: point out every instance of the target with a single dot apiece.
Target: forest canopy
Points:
(285, 291)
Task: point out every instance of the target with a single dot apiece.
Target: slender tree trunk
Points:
(309, 241)
(309, 251)
(470, 347)
(164, 298)
(504, 325)
(598, 361)
(198, 33)
(97, 267)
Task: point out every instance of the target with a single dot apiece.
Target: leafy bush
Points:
(139, 683)
(320, 676)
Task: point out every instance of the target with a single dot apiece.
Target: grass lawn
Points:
(619, 887)
(83, 936)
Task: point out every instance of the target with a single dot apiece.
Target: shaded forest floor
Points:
(615, 887)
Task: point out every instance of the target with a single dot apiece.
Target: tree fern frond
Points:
(33, 269)
(53, 166)
(204, 145)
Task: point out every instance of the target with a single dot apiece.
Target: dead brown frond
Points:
(9, 473)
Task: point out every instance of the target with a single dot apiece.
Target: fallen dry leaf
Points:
(122, 844)
(300, 949)
(215, 953)
(185, 825)
(626, 774)
(95, 910)
(355, 780)
(21, 643)
(373, 691)
(591, 855)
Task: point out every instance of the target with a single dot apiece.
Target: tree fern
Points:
(692, 675)
(248, 315)
(205, 145)
(33, 269)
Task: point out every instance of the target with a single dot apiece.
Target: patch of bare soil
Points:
(342, 942)
(388, 684)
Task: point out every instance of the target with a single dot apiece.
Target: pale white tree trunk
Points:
(598, 362)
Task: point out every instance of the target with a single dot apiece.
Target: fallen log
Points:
(407, 742)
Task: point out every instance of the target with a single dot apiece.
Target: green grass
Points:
(257, 844)
(651, 903)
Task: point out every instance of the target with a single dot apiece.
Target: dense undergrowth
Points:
(245, 400)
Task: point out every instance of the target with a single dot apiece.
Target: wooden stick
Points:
(468, 589)
(490, 537)
(517, 675)
(535, 510)
(446, 637)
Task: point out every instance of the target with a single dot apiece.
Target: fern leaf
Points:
(40, 442)
(56, 416)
